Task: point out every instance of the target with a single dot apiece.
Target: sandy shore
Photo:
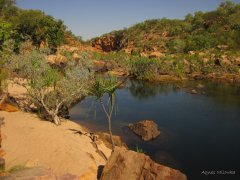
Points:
(30, 142)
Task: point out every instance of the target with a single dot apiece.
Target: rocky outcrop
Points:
(5, 104)
(8, 107)
(102, 66)
(124, 164)
(147, 129)
(107, 43)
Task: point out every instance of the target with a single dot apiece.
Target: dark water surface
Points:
(199, 132)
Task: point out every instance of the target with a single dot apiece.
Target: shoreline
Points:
(222, 78)
(31, 142)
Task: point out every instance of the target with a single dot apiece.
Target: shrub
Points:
(143, 68)
(47, 88)
(176, 46)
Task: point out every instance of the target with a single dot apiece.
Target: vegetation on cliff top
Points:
(206, 43)
(201, 31)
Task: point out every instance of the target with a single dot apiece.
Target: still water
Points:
(200, 133)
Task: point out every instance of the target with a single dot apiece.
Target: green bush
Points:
(176, 46)
(143, 68)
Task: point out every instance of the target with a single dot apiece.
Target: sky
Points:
(91, 18)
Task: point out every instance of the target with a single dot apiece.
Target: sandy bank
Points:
(32, 142)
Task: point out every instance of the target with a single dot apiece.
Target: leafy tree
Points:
(5, 32)
(189, 18)
(39, 27)
(47, 88)
(4, 4)
(4, 55)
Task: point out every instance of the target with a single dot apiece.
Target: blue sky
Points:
(91, 18)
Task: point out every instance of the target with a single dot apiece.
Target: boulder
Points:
(118, 72)
(237, 61)
(191, 52)
(105, 137)
(57, 59)
(5, 104)
(76, 57)
(222, 62)
(8, 107)
(99, 66)
(125, 164)
(147, 129)
(205, 60)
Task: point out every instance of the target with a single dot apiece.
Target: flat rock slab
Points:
(147, 129)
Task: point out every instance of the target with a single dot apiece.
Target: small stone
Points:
(194, 91)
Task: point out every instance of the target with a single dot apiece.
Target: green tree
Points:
(101, 87)
(47, 88)
(40, 27)
(5, 32)
(4, 4)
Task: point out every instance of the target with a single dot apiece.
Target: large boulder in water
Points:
(147, 129)
(125, 164)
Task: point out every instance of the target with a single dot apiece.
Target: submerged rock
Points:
(194, 91)
(147, 129)
(125, 164)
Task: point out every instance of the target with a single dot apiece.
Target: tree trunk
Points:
(56, 120)
(110, 132)
(109, 124)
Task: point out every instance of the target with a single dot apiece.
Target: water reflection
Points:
(143, 90)
(198, 131)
